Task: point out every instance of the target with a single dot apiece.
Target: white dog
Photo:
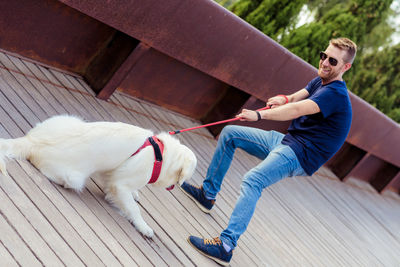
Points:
(68, 151)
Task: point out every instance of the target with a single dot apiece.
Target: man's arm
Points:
(286, 112)
(279, 100)
(299, 95)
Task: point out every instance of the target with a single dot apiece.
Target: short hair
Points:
(345, 44)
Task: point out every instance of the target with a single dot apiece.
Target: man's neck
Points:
(324, 82)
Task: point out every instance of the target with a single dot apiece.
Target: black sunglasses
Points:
(332, 61)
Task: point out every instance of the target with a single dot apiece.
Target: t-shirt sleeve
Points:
(328, 100)
(312, 85)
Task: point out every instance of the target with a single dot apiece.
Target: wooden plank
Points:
(27, 87)
(51, 104)
(58, 94)
(163, 251)
(22, 126)
(68, 96)
(152, 113)
(352, 216)
(40, 224)
(6, 258)
(83, 99)
(19, 95)
(13, 243)
(157, 207)
(200, 145)
(119, 250)
(237, 180)
(107, 112)
(11, 104)
(167, 217)
(105, 255)
(299, 221)
(29, 235)
(98, 227)
(298, 207)
(192, 142)
(139, 248)
(159, 126)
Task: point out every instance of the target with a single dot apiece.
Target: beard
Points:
(329, 75)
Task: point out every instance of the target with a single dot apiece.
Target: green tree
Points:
(226, 3)
(243, 8)
(323, 6)
(374, 77)
(378, 81)
(272, 17)
(355, 20)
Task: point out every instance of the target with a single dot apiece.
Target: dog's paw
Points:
(145, 230)
(136, 196)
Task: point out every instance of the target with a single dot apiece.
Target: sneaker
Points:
(211, 248)
(197, 195)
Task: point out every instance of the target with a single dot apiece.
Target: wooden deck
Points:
(313, 221)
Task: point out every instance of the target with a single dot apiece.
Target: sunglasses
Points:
(332, 61)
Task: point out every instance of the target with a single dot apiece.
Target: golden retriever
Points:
(68, 151)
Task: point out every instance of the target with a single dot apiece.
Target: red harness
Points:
(158, 148)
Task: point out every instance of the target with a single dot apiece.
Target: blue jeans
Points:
(279, 161)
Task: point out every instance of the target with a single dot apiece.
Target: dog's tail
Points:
(18, 148)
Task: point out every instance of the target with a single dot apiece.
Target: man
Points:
(321, 115)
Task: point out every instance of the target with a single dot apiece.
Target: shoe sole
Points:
(221, 262)
(203, 209)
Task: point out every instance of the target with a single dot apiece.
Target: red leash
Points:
(211, 124)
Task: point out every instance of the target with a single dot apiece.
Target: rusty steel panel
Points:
(384, 176)
(120, 75)
(366, 168)
(109, 61)
(345, 160)
(373, 131)
(375, 171)
(162, 80)
(394, 185)
(206, 36)
(52, 33)
(388, 148)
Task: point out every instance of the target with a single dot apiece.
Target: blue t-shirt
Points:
(316, 138)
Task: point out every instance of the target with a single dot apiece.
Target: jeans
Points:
(279, 161)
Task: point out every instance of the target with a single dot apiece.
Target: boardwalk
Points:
(304, 221)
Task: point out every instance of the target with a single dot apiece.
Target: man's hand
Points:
(248, 115)
(286, 112)
(276, 101)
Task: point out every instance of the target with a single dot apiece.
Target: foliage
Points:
(226, 3)
(355, 21)
(363, 22)
(243, 8)
(272, 17)
(323, 6)
(374, 76)
(378, 81)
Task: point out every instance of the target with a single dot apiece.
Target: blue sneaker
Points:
(211, 248)
(198, 196)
